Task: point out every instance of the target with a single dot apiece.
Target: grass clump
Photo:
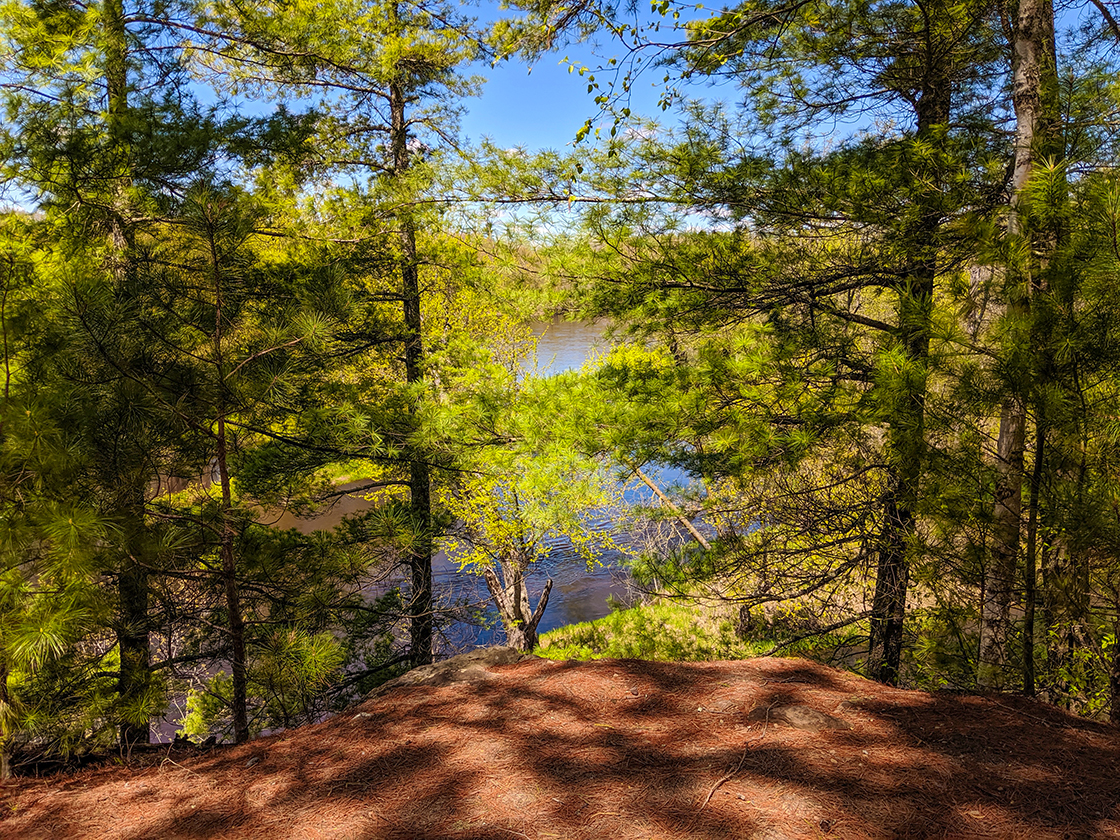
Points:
(671, 631)
(683, 630)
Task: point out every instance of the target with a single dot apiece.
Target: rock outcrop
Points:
(467, 667)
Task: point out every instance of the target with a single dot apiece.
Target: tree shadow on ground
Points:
(628, 749)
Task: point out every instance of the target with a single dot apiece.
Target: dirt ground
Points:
(617, 749)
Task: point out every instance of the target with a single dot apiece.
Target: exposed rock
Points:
(467, 667)
(799, 717)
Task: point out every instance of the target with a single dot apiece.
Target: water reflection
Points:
(578, 594)
(565, 345)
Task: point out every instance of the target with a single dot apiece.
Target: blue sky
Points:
(545, 108)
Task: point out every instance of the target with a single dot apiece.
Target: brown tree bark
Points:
(419, 557)
(1030, 560)
(906, 438)
(5, 692)
(512, 599)
(5, 735)
(132, 627)
(999, 573)
(1033, 69)
(236, 620)
(684, 521)
(1114, 668)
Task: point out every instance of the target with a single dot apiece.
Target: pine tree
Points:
(388, 105)
(1034, 84)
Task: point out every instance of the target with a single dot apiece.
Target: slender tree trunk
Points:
(1054, 608)
(132, 624)
(1033, 72)
(906, 455)
(5, 719)
(892, 579)
(116, 91)
(132, 581)
(685, 522)
(229, 559)
(419, 480)
(512, 599)
(1114, 667)
(906, 438)
(1071, 573)
(233, 595)
(999, 574)
(1030, 566)
(6, 716)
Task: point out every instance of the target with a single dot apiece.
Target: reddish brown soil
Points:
(617, 750)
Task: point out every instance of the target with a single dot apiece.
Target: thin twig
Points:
(725, 778)
(177, 764)
(1109, 19)
(729, 776)
(819, 632)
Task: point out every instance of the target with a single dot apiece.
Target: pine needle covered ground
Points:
(763, 748)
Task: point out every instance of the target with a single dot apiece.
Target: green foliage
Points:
(292, 671)
(208, 708)
(942, 654)
(525, 483)
(822, 335)
(689, 630)
(52, 609)
(666, 631)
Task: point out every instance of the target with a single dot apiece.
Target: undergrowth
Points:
(675, 631)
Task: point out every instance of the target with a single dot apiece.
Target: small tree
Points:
(526, 490)
(504, 527)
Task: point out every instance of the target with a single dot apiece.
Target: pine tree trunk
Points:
(116, 93)
(892, 578)
(132, 624)
(1033, 69)
(5, 734)
(421, 618)
(999, 575)
(1114, 669)
(1054, 610)
(236, 620)
(5, 694)
(233, 596)
(1030, 564)
(906, 439)
(132, 580)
